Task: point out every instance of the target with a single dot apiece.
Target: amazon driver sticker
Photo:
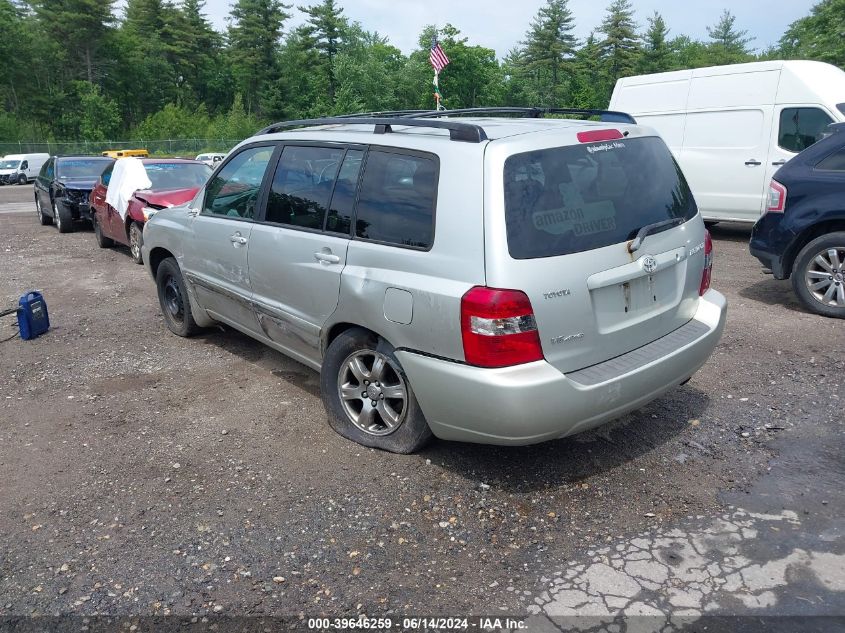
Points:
(585, 219)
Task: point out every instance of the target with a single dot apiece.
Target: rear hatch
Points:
(561, 219)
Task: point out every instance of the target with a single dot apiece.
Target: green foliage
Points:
(819, 35)
(253, 40)
(160, 70)
(727, 44)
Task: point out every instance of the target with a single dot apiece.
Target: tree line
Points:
(73, 70)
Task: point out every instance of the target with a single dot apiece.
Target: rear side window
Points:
(302, 186)
(801, 127)
(834, 162)
(106, 176)
(571, 199)
(397, 199)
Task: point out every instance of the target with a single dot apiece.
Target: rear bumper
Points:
(769, 243)
(535, 402)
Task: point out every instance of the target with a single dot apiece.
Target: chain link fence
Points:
(184, 147)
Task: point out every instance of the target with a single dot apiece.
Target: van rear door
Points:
(568, 217)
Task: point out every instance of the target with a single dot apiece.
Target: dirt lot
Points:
(141, 473)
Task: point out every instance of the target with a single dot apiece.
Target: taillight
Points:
(498, 328)
(776, 201)
(592, 136)
(707, 274)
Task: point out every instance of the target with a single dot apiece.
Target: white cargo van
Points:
(731, 127)
(19, 169)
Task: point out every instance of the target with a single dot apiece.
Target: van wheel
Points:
(102, 240)
(42, 218)
(136, 241)
(367, 395)
(818, 275)
(22, 179)
(173, 297)
(63, 218)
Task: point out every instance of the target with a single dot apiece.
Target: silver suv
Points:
(496, 279)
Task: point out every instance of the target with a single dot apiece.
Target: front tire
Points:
(136, 241)
(173, 298)
(44, 219)
(818, 275)
(22, 180)
(367, 395)
(102, 240)
(62, 218)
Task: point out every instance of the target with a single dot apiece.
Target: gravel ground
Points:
(141, 473)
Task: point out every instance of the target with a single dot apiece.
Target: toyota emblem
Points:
(649, 264)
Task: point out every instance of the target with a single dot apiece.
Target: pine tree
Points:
(548, 48)
(657, 56)
(728, 45)
(325, 27)
(77, 26)
(253, 41)
(620, 47)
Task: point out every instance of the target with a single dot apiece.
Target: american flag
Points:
(437, 57)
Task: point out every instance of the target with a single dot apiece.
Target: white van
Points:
(731, 127)
(19, 169)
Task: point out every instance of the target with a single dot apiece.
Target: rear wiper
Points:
(648, 229)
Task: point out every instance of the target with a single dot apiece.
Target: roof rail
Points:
(381, 113)
(458, 131)
(608, 116)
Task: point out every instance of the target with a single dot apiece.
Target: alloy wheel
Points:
(373, 394)
(825, 277)
(57, 217)
(135, 242)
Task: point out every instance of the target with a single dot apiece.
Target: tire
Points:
(102, 240)
(62, 218)
(173, 298)
(45, 220)
(136, 241)
(22, 179)
(395, 424)
(822, 263)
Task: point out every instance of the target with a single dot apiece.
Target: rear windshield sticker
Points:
(605, 147)
(586, 219)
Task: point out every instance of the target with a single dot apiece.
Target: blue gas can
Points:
(32, 315)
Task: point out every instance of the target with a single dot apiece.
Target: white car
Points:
(732, 127)
(211, 159)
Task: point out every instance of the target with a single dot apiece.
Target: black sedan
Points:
(63, 187)
(802, 234)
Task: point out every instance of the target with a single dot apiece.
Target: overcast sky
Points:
(501, 24)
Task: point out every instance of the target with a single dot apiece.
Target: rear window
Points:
(572, 199)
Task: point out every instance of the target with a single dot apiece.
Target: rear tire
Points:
(173, 298)
(45, 220)
(818, 275)
(363, 367)
(136, 241)
(102, 240)
(62, 218)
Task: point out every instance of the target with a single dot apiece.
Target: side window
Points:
(397, 198)
(834, 162)
(44, 168)
(343, 200)
(24, 165)
(302, 186)
(801, 127)
(106, 176)
(234, 191)
(50, 169)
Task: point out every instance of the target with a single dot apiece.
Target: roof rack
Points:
(458, 131)
(608, 116)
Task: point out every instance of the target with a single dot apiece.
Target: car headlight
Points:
(149, 212)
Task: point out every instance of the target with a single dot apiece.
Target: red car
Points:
(174, 181)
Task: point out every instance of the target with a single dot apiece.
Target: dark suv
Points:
(63, 188)
(802, 233)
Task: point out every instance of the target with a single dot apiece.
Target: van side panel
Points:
(723, 91)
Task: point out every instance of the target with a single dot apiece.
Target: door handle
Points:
(237, 239)
(326, 257)
(753, 162)
(778, 163)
